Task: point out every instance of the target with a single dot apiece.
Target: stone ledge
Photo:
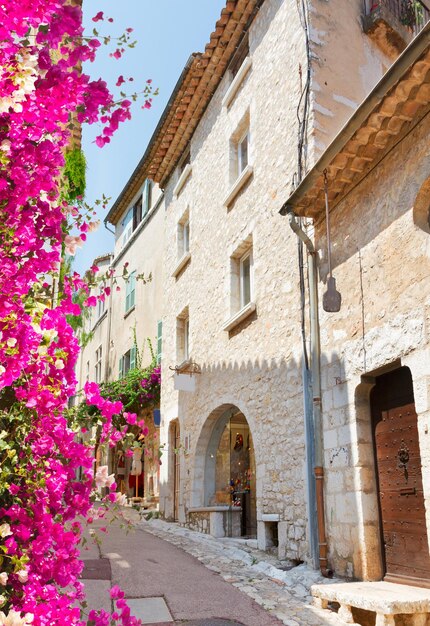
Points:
(181, 264)
(239, 317)
(381, 597)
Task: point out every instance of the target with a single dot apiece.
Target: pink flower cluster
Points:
(44, 92)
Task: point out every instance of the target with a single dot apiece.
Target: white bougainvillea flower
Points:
(13, 618)
(3, 578)
(5, 530)
(22, 575)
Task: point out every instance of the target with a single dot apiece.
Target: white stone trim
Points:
(236, 83)
(181, 264)
(237, 186)
(270, 517)
(239, 316)
(182, 180)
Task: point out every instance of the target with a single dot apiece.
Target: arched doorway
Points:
(230, 472)
(399, 477)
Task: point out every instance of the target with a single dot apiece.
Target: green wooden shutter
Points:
(121, 363)
(133, 358)
(146, 197)
(159, 340)
(132, 289)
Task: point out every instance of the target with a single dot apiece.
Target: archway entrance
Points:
(400, 489)
(230, 473)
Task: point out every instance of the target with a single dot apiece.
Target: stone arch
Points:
(421, 208)
(205, 456)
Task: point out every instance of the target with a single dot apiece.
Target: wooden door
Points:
(401, 496)
(177, 474)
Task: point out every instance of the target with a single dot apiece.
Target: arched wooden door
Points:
(398, 464)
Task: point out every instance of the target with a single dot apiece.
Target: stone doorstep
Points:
(383, 598)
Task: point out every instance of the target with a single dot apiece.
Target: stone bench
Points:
(385, 599)
(219, 517)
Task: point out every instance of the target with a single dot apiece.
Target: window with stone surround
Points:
(242, 290)
(183, 243)
(240, 161)
(184, 234)
(183, 336)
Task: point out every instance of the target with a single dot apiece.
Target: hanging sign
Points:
(184, 382)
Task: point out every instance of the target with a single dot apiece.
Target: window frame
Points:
(98, 364)
(130, 292)
(247, 255)
(240, 165)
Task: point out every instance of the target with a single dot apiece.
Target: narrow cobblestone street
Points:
(200, 580)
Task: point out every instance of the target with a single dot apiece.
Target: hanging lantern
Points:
(332, 299)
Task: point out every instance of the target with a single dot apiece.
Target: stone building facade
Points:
(247, 347)
(126, 328)
(374, 351)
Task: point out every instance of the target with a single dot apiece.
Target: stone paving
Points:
(284, 594)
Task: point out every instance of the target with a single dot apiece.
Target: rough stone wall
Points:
(199, 522)
(381, 262)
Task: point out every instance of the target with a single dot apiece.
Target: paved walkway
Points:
(203, 581)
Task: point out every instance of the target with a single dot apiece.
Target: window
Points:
(130, 292)
(137, 212)
(245, 279)
(242, 153)
(240, 162)
(127, 226)
(242, 292)
(101, 304)
(127, 362)
(159, 341)
(87, 374)
(98, 366)
(183, 336)
(184, 234)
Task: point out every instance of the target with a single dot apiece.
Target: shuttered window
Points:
(159, 340)
(130, 292)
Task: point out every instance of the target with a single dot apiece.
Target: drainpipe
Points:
(316, 393)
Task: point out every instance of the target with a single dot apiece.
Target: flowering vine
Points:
(44, 96)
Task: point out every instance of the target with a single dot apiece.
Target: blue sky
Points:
(167, 32)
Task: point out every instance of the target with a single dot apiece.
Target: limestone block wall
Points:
(257, 366)
(381, 264)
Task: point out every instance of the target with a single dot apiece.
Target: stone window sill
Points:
(236, 83)
(181, 264)
(240, 182)
(182, 180)
(130, 310)
(239, 316)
